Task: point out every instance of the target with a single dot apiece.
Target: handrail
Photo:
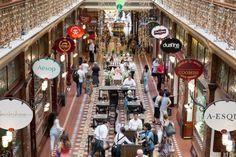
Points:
(10, 4)
(222, 4)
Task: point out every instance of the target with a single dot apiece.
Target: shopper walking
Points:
(89, 87)
(95, 74)
(145, 78)
(81, 78)
(55, 133)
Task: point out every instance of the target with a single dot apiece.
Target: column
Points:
(210, 98)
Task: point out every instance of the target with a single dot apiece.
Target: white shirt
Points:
(101, 132)
(81, 75)
(91, 47)
(132, 66)
(122, 67)
(85, 67)
(158, 99)
(135, 124)
(120, 138)
(130, 82)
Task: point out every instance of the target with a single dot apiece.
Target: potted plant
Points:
(107, 77)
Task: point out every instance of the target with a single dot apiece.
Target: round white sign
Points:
(14, 114)
(46, 68)
(160, 32)
(221, 115)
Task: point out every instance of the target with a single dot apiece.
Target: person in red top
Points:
(160, 73)
(64, 146)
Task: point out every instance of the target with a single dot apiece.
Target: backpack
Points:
(75, 76)
(155, 138)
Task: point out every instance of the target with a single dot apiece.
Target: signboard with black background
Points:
(171, 45)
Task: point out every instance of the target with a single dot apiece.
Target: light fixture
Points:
(170, 75)
(75, 41)
(75, 55)
(84, 37)
(84, 26)
(63, 75)
(9, 136)
(44, 85)
(160, 56)
(46, 107)
(62, 58)
(172, 59)
(4, 141)
(160, 42)
(225, 138)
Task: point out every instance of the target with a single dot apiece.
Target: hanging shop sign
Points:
(64, 45)
(160, 32)
(75, 31)
(221, 116)
(85, 19)
(150, 26)
(171, 45)
(189, 69)
(118, 29)
(46, 68)
(14, 114)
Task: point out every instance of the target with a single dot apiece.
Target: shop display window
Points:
(200, 52)
(3, 80)
(232, 83)
(194, 48)
(13, 71)
(199, 121)
(222, 74)
(206, 64)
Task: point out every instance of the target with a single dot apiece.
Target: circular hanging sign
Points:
(64, 45)
(150, 26)
(14, 114)
(160, 32)
(85, 19)
(189, 69)
(46, 68)
(171, 45)
(220, 115)
(75, 31)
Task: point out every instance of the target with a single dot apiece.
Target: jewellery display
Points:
(18, 19)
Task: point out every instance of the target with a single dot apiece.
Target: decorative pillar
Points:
(210, 98)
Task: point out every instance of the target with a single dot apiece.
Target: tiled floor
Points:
(76, 117)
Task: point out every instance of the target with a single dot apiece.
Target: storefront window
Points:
(199, 111)
(200, 54)
(232, 83)
(222, 74)
(177, 32)
(13, 71)
(206, 64)
(194, 48)
(3, 80)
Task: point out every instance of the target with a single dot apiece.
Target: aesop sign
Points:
(171, 45)
(221, 115)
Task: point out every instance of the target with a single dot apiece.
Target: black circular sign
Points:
(171, 45)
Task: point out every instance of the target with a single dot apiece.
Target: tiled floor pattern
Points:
(80, 128)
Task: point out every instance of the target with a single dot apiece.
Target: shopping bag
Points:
(170, 129)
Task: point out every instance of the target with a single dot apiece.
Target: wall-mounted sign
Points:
(85, 19)
(150, 26)
(189, 69)
(64, 45)
(220, 115)
(160, 32)
(171, 45)
(75, 31)
(14, 113)
(46, 68)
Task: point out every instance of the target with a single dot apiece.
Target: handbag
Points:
(170, 129)
(104, 144)
(115, 150)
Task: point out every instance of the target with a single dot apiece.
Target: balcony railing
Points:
(18, 18)
(216, 19)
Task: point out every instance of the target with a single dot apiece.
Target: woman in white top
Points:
(85, 67)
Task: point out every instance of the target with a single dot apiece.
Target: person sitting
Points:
(135, 123)
(119, 140)
(129, 81)
(140, 153)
